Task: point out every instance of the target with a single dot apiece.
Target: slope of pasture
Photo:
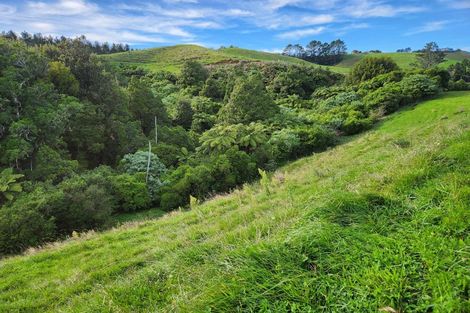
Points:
(172, 58)
(379, 222)
(404, 60)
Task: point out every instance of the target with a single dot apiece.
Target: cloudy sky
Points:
(256, 24)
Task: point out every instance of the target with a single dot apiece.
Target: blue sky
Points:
(267, 25)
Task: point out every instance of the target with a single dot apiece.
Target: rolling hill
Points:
(379, 222)
(404, 60)
(171, 58)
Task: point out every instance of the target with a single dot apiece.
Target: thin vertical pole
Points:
(148, 162)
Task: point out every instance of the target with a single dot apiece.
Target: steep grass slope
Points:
(378, 221)
(172, 58)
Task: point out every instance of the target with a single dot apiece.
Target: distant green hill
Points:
(378, 223)
(404, 60)
(171, 58)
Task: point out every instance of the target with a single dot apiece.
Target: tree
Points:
(430, 56)
(183, 113)
(144, 105)
(248, 102)
(371, 67)
(62, 78)
(192, 74)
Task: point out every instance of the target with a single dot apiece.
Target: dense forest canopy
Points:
(81, 141)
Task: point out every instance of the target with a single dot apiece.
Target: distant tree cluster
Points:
(39, 39)
(318, 52)
(404, 50)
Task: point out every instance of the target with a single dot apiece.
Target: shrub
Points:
(379, 81)
(459, 85)
(371, 67)
(314, 138)
(284, 143)
(131, 192)
(23, 224)
(355, 123)
(84, 202)
(418, 86)
(387, 97)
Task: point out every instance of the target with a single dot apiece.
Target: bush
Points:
(84, 202)
(131, 192)
(379, 81)
(459, 85)
(418, 86)
(388, 97)
(23, 224)
(314, 138)
(284, 143)
(371, 67)
(355, 123)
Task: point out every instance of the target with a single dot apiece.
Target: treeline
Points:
(81, 142)
(318, 52)
(39, 39)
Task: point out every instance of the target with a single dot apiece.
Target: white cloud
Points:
(299, 33)
(371, 8)
(457, 4)
(428, 27)
(63, 7)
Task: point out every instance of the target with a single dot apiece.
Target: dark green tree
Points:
(249, 101)
(371, 67)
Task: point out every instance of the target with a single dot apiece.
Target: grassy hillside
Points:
(172, 58)
(379, 221)
(404, 60)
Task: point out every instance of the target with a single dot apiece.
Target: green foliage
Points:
(131, 192)
(183, 114)
(459, 85)
(50, 165)
(144, 105)
(62, 78)
(389, 97)
(314, 138)
(371, 67)
(418, 86)
(379, 81)
(23, 225)
(223, 137)
(192, 74)
(284, 143)
(248, 102)
(137, 163)
(9, 185)
(460, 71)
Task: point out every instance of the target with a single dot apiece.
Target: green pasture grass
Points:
(377, 223)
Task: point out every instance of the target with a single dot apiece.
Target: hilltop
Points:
(378, 221)
(171, 58)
